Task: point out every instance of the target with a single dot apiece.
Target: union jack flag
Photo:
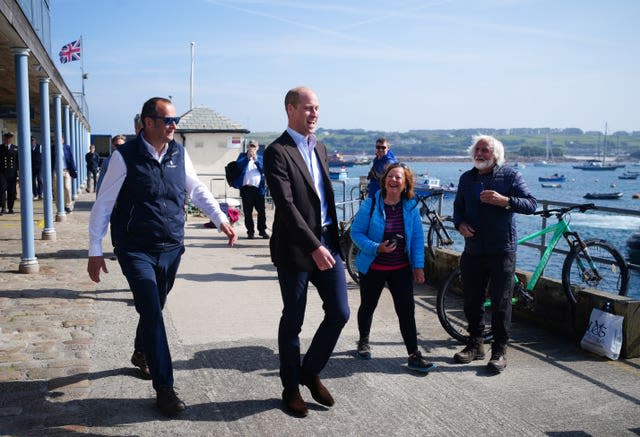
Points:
(70, 52)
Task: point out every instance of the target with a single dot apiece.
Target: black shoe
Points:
(250, 236)
(264, 235)
(293, 403)
(364, 350)
(498, 361)
(10, 211)
(168, 402)
(419, 364)
(138, 360)
(318, 391)
(68, 210)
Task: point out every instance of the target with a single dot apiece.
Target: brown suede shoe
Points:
(318, 391)
(293, 403)
(138, 360)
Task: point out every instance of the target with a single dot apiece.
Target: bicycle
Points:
(436, 234)
(592, 263)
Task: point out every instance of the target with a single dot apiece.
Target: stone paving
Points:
(65, 345)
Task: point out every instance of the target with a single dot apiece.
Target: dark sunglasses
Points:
(381, 147)
(167, 120)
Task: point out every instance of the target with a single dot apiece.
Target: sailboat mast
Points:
(604, 144)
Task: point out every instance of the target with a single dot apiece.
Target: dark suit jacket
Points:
(296, 227)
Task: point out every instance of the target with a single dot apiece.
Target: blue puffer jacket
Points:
(367, 233)
(495, 226)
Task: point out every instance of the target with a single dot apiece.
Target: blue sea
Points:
(616, 229)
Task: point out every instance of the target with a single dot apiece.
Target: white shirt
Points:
(113, 180)
(307, 150)
(252, 176)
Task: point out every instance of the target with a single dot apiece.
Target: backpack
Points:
(231, 173)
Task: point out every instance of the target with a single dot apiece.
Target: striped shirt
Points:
(393, 225)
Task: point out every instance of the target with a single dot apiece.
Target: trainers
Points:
(364, 350)
(498, 361)
(138, 360)
(168, 402)
(474, 350)
(416, 362)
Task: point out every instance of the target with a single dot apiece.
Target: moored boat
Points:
(337, 160)
(603, 196)
(338, 175)
(628, 175)
(551, 185)
(552, 178)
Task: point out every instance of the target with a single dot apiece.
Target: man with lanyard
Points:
(143, 196)
(304, 248)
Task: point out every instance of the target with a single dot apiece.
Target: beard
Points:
(482, 165)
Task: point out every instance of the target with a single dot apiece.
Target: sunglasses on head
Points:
(168, 120)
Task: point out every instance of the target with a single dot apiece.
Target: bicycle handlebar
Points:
(432, 192)
(559, 212)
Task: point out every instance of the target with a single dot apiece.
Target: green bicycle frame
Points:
(559, 229)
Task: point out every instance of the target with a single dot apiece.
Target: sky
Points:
(389, 65)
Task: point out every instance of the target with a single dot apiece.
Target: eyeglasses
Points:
(381, 147)
(167, 120)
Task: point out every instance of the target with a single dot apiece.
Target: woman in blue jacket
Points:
(388, 233)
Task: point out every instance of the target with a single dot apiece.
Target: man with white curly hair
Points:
(489, 195)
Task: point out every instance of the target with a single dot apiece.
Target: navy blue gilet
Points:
(149, 212)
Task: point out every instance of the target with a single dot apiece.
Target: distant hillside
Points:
(527, 143)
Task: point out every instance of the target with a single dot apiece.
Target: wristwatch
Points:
(508, 207)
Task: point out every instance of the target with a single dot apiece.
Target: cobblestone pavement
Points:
(65, 345)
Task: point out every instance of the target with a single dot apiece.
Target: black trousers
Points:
(8, 191)
(36, 181)
(400, 284)
(496, 272)
(251, 198)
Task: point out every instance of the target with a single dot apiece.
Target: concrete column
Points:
(49, 232)
(74, 152)
(28, 262)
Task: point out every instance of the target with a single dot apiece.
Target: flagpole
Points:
(82, 66)
(191, 89)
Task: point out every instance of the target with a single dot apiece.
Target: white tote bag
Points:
(604, 334)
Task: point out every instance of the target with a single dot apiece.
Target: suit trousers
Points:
(251, 198)
(151, 277)
(36, 181)
(332, 288)
(496, 272)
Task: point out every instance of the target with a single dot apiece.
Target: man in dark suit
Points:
(36, 167)
(304, 248)
(8, 172)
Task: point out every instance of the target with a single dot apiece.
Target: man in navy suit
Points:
(304, 248)
(8, 173)
(36, 167)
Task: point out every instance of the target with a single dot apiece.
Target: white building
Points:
(212, 140)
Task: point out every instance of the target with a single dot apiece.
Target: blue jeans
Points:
(151, 277)
(401, 287)
(332, 288)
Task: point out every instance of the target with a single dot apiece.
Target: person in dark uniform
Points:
(8, 173)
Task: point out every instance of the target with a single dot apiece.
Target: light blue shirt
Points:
(307, 148)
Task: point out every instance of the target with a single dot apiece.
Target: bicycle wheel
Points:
(438, 236)
(352, 251)
(450, 308)
(607, 271)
